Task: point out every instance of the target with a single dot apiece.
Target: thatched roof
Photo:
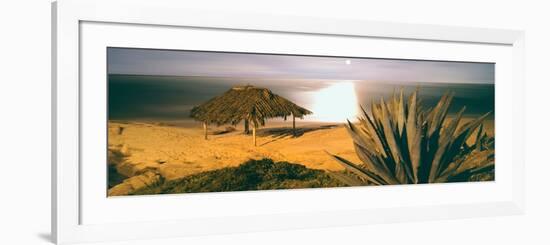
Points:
(246, 102)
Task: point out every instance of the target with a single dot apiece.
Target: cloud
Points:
(265, 66)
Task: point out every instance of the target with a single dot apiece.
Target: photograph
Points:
(194, 121)
(275, 122)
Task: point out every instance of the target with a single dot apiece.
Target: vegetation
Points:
(402, 143)
(114, 158)
(253, 175)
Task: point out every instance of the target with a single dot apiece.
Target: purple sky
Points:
(212, 64)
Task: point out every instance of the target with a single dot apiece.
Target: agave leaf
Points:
(413, 133)
(464, 133)
(467, 174)
(472, 124)
(354, 133)
(390, 136)
(429, 153)
(454, 147)
(376, 154)
(375, 133)
(367, 134)
(377, 124)
(478, 141)
(449, 130)
(424, 165)
(363, 173)
(476, 159)
(402, 142)
(401, 113)
(361, 147)
(438, 113)
(446, 142)
(391, 109)
(406, 161)
(490, 166)
(436, 162)
(375, 164)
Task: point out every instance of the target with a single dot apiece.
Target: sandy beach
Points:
(176, 151)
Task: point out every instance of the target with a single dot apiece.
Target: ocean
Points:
(166, 98)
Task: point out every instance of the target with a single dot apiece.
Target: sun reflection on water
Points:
(336, 103)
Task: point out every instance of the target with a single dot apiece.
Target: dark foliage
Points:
(399, 142)
(253, 175)
(115, 157)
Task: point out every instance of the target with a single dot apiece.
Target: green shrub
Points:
(252, 175)
(401, 143)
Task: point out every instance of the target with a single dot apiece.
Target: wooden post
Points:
(205, 127)
(246, 127)
(254, 134)
(293, 124)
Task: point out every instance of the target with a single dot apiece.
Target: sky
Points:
(193, 63)
(165, 84)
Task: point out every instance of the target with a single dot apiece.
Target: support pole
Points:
(254, 134)
(205, 127)
(246, 127)
(294, 125)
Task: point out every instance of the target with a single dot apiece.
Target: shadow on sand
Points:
(282, 132)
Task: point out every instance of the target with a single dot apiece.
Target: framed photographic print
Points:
(232, 122)
(201, 121)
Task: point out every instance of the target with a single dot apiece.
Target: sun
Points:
(336, 103)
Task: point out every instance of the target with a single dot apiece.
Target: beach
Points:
(176, 151)
(141, 153)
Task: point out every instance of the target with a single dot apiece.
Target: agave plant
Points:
(402, 143)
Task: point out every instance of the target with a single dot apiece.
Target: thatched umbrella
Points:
(252, 104)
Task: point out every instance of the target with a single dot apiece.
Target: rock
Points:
(120, 130)
(134, 183)
(125, 150)
(127, 169)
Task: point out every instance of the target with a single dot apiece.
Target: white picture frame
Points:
(68, 18)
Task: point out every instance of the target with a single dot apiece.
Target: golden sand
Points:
(181, 151)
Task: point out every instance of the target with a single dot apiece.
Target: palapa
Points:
(250, 104)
